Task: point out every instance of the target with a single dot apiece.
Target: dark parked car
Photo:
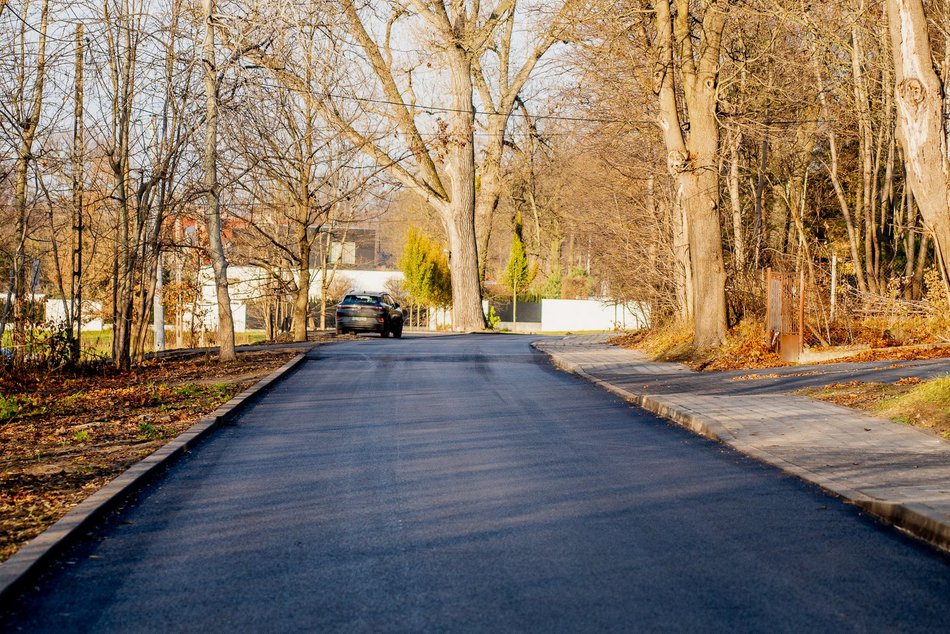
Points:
(369, 312)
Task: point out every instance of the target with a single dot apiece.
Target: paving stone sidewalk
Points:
(896, 472)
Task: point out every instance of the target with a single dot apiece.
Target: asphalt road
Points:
(461, 484)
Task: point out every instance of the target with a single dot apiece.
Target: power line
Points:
(429, 109)
(27, 24)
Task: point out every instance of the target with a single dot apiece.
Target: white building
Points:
(56, 314)
(248, 284)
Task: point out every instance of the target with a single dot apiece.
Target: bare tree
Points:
(500, 77)
(209, 165)
(78, 187)
(442, 169)
(294, 155)
(26, 111)
(160, 192)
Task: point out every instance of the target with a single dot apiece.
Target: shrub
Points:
(9, 408)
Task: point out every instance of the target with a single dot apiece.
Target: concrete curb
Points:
(27, 562)
(918, 520)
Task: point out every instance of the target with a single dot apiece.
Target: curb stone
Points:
(917, 520)
(30, 560)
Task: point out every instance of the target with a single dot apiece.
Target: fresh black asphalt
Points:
(460, 483)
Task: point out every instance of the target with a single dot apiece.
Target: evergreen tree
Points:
(423, 262)
(519, 273)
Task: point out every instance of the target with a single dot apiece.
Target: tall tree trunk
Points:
(78, 186)
(21, 286)
(122, 59)
(489, 186)
(302, 299)
(920, 107)
(209, 164)
(738, 239)
(761, 224)
(693, 161)
(459, 213)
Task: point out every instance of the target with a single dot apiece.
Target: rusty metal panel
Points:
(790, 347)
(773, 313)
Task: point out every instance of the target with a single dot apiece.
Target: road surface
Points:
(459, 483)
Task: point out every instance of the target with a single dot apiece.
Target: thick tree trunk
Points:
(209, 161)
(700, 193)
(919, 98)
(459, 213)
(693, 161)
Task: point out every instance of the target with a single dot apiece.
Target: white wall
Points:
(558, 315)
(57, 314)
(359, 280)
(209, 316)
(250, 283)
(245, 284)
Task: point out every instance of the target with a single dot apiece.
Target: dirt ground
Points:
(65, 435)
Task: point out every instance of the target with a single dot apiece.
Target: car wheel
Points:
(340, 331)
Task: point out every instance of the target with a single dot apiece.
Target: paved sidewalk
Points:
(896, 472)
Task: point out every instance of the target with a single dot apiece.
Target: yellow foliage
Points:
(746, 347)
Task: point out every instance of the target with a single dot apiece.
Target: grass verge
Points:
(923, 404)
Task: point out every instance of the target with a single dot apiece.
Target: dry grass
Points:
(913, 338)
(745, 347)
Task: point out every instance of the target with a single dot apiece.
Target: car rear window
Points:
(359, 299)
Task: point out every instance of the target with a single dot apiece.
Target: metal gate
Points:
(785, 313)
